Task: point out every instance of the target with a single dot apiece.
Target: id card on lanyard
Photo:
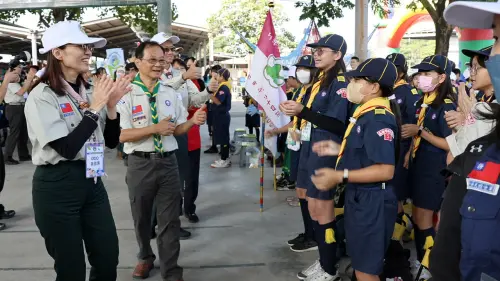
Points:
(306, 132)
(94, 154)
(291, 143)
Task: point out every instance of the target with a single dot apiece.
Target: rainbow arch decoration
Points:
(398, 26)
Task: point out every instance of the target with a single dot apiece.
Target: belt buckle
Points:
(155, 155)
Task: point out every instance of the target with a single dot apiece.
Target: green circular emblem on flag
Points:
(273, 72)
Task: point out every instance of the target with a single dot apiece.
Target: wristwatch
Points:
(420, 131)
(92, 114)
(345, 178)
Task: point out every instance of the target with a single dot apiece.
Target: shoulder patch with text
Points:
(342, 92)
(387, 133)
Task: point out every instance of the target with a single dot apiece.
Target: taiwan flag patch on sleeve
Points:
(136, 110)
(66, 109)
(486, 171)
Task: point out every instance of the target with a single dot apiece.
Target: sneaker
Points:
(11, 161)
(424, 275)
(221, 164)
(299, 239)
(311, 270)
(184, 234)
(286, 186)
(305, 246)
(321, 275)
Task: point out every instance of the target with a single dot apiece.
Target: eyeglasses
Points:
(473, 70)
(320, 51)
(155, 61)
(168, 50)
(84, 47)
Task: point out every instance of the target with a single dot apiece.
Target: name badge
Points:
(306, 133)
(94, 159)
(482, 186)
(291, 143)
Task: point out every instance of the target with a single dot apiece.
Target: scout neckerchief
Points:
(428, 99)
(152, 105)
(303, 91)
(295, 92)
(81, 98)
(314, 92)
(488, 100)
(225, 83)
(380, 103)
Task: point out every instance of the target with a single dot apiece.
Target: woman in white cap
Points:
(68, 125)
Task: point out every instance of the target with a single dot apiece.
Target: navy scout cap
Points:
(378, 69)
(397, 59)
(436, 62)
(483, 52)
(332, 41)
(306, 61)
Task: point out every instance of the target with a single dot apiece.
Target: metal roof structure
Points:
(14, 38)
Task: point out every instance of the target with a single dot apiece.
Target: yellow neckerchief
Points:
(226, 83)
(314, 92)
(428, 99)
(380, 103)
(489, 99)
(399, 83)
(295, 91)
(303, 91)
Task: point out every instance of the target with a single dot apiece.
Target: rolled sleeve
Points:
(379, 142)
(196, 98)
(44, 119)
(174, 82)
(125, 109)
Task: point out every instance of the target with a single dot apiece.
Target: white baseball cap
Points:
(468, 14)
(291, 71)
(67, 32)
(162, 37)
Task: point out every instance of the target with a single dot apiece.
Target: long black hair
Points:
(331, 74)
(493, 114)
(386, 93)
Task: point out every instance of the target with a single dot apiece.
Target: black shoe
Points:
(305, 246)
(11, 161)
(193, 218)
(184, 234)
(27, 158)
(7, 214)
(299, 239)
(2, 226)
(211, 150)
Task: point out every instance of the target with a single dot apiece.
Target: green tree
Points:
(330, 9)
(143, 16)
(247, 18)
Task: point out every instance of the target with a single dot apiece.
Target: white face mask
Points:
(304, 76)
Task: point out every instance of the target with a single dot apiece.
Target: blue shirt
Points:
(407, 98)
(224, 96)
(331, 102)
(371, 141)
(435, 123)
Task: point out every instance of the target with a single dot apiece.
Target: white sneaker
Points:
(321, 275)
(221, 164)
(315, 267)
(424, 275)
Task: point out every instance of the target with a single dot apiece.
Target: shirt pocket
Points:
(480, 226)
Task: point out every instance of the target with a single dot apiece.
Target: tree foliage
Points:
(247, 18)
(142, 16)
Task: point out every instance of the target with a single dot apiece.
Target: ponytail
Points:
(397, 137)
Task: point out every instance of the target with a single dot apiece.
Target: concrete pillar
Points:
(34, 48)
(211, 48)
(198, 52)
(205, 58)
(361, 29)
(164, 16)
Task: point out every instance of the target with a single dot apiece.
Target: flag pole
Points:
(262, 161)
(274, 180)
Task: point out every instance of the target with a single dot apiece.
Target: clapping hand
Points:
(326, 148)
(120, 88)
(102, 92)
(326, 178)
(291, 108)
(454, 118)
(409, 130)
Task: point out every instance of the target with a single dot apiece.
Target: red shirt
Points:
(194, 138)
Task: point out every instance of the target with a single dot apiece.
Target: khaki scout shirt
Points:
(51, 117)
(11, 96)
(135, 112)
(191, 96)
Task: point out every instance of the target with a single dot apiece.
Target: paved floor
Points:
(233, 240)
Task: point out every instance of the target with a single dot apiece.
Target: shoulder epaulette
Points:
(341, 78)
(414, 91)
(379, 111)
(448, 101)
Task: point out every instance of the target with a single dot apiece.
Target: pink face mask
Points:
(425, 84)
